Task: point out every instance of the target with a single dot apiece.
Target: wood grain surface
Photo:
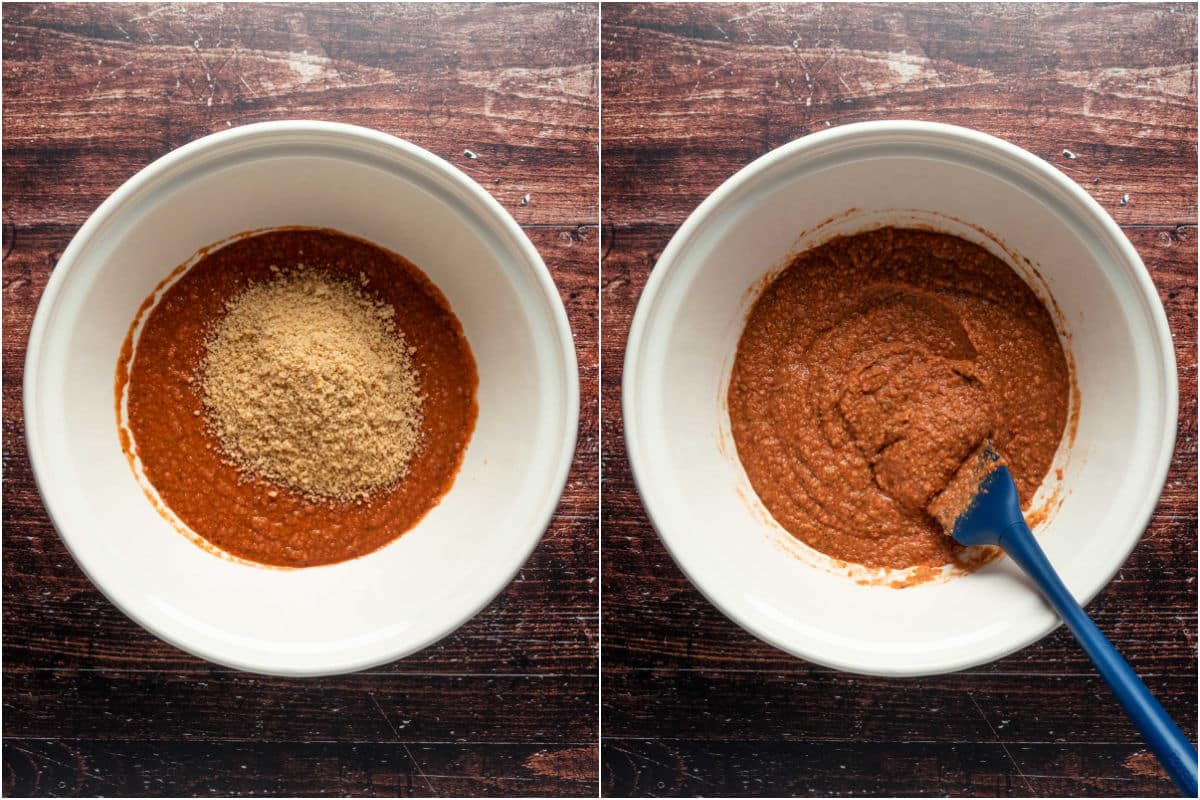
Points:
(691, 703)
(95, 705)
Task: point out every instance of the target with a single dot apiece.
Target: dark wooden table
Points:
(95, 705)
(692, 704)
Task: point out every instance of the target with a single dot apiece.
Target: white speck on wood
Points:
(308, 68)
(906, 67)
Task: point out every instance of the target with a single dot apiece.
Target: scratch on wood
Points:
(420, 771)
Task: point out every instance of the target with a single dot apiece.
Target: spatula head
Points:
(981, 500)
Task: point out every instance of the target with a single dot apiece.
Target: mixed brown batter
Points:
(244, 513)
(870, 369)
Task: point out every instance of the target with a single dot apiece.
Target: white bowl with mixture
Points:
(367, 610)
(846, 181)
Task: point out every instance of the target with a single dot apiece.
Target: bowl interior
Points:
(359, 612)
(681, 352)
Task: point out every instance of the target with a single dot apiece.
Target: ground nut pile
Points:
(308, 383)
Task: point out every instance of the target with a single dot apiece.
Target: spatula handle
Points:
(1163, 736)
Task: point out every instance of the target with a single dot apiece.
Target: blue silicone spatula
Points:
(981, 506)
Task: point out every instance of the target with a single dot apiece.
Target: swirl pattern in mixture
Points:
(871, 368)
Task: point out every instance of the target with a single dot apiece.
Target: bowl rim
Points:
(925, 132)
(333, 133)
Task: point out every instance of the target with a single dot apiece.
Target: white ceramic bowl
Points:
(358, 613)
(685, 333)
